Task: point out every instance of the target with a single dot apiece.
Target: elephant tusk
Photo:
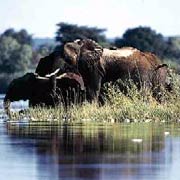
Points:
(78, 41)
(42, 78)
(53, 73)
(63, 76)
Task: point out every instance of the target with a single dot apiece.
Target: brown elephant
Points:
(98, 65)
(45, 91)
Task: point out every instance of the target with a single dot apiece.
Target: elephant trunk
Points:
(6, 105)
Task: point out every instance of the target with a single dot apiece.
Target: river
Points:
(45, 151)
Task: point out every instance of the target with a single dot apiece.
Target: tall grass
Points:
(135, 106)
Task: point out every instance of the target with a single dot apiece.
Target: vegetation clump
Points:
(135, 106)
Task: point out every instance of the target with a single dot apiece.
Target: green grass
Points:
(138, 106)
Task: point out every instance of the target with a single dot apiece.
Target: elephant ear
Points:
(91, 52)
(71, 52)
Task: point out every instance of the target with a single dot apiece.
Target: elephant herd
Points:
(76, 72)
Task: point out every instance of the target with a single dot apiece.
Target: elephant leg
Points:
(93, 89)
(103, 95)
(160, 82)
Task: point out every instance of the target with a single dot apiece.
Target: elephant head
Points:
(86, 56)
(54, 61)
(86, 49)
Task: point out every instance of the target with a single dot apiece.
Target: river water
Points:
(46, 151)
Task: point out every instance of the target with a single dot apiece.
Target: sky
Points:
(39, 17)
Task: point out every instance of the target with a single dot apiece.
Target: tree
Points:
(173, 50)
(70, 32)
(45, 49)
(9, 32)
(22, 36)
(144, 39)
(14, 57)
(41, 51)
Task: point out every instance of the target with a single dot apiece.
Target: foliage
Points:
(22, 36)
(174, 64)
(37, 42)
(70, 32)
(40, 52)
(137, 106)
(173, 50)
(14, 57)
(144, 39)
(45, 49)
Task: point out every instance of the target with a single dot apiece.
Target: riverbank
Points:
(118, 108)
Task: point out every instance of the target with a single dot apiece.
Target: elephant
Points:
(54, 61)
(44, 91)
(99, 65)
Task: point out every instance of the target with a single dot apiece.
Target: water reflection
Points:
(94, 151)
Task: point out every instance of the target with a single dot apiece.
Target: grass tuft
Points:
(135, 106)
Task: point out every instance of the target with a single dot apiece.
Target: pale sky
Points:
(39, 17)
